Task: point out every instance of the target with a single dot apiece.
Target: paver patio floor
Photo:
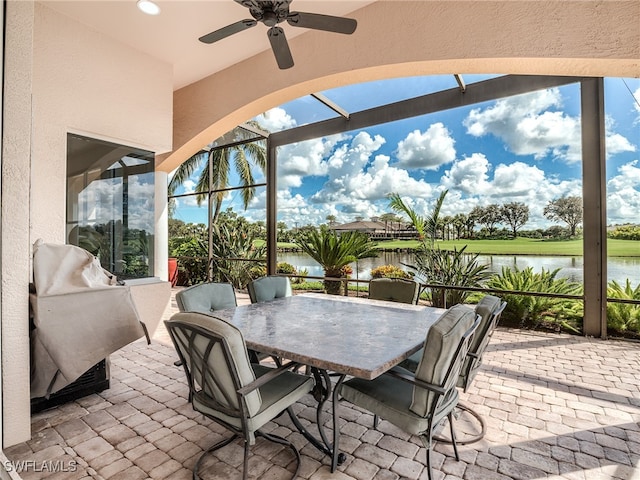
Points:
(556, 406)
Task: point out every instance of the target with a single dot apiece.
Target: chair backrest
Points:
(394, 290)
(444, 351)
(216, 362)
(489, 308)
(206, 297)
(268, 288)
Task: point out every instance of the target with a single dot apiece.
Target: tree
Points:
(459, 224)
(565, 209)
(514, 214)
(242, 156)
(425, 226)
(488, 216)
(331, 219)
(447, 224)
(335, 252)
(388, 218)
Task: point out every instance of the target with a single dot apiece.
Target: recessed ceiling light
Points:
(148, 7)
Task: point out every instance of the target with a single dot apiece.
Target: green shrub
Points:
(389, 271)
(285, 268)
(454, 268)
(623, 317)
(531, 311)
(192, 257)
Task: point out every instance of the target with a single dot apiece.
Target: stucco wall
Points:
(86, 83)
(76, 81)
(401, 38)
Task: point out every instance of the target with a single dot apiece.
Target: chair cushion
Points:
(485, 308)
(206, 297)
(224, 390)
(278, 394)
(394, 290)
(390, 398)
(267, 288)
(439, 349)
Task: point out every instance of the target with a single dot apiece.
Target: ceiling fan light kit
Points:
(273, 12)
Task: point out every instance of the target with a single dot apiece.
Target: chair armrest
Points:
(410, 378)
(266, 378)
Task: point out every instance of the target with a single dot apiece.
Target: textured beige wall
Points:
(400, 38)
(60, 77)
(86, 83)
(15, 223)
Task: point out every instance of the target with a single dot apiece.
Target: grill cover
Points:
(80, 316)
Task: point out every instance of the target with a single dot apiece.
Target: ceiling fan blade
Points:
(318, 21)
(280, 47)
(224, 32)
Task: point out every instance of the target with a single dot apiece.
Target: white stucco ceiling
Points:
(172, 36)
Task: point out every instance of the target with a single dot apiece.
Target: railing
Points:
(424, 286)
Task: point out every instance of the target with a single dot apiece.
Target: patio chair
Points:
(269, 288)
(206, 297)
(394, 290)
(489, 308)
(226, 388)
(418, 403)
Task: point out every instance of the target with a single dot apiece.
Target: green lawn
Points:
(523, 246)
(519, 246)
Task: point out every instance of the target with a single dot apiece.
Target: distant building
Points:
(377, 230)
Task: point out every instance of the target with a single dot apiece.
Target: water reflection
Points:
(619, 268)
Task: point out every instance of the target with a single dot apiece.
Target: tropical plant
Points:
(427, 227)
(242, 156)
(235, 257)
(453, 268)
(335, 252)
(389, 271)
(623, 317)
(285, 268)
(530, 310)
(192, 257)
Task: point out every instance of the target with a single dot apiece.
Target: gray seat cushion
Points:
(206, 297)
(390, 398)
(485, 308)
(394, 290)
(440, 348)
(268, 288)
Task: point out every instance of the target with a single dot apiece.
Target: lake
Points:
(619, 268)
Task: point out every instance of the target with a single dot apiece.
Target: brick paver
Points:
(556, 406)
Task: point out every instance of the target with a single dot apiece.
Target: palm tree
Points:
(243, 157)
(427, 227)
(335, 252)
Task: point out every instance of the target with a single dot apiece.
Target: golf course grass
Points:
(518, 246)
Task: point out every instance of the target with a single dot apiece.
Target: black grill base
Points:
(94, 380)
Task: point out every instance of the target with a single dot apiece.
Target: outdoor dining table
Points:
(346, 336)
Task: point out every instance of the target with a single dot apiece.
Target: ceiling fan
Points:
(273, 12)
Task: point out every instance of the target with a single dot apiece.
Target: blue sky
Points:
(520, 149)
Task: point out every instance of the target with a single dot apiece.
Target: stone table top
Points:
(352, 336)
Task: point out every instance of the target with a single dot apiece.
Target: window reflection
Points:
(110, 204)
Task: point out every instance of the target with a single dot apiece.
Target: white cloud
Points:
(528, 127)
(623, 194)
(532, 124)
(303, 159)
(356, 183)
(275, 120)
(426, 150)
(469, 175)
